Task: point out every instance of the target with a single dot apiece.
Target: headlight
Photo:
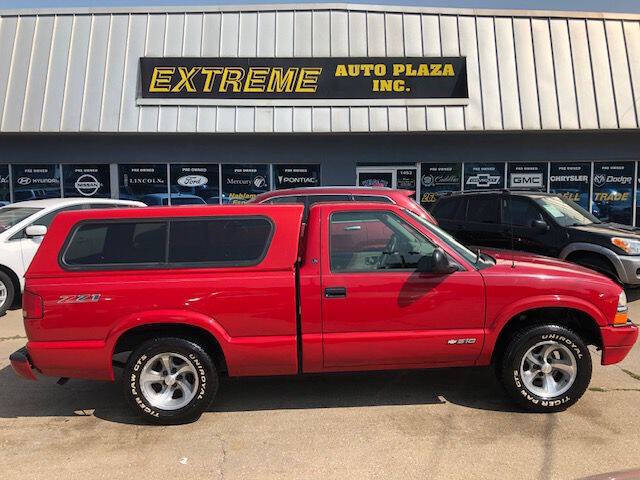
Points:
(621, 314)
(630, 246)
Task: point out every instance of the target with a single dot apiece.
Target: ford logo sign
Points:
(192, 181)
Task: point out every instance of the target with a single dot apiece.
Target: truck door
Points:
(377, 311)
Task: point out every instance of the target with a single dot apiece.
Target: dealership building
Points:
(216, 104)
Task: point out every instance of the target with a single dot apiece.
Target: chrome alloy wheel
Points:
(169, 381)
(3, 294)
(548, 369)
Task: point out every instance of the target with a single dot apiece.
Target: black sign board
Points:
(528, 176)
(31, 182)
(193, 184)
(303, 78)
(437, 179)
(571, 180)
(144, 182)
(86, 181)
(406, 179)
(241, 183)
(291, 176)
(483, 176)
(4, 184)
(613, 191)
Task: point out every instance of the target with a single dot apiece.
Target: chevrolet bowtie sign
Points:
(335, 80)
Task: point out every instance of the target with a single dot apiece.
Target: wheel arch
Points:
(17, 288)
(576, 319)
(576, 250)
(204, 331)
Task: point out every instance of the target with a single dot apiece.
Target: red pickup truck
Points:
(187, 294)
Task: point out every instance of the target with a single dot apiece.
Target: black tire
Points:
(512, 364)
(5, 280)
(600, 265)
(206, 381)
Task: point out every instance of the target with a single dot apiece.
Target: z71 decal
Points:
(83, 298)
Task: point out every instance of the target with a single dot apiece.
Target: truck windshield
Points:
(479, 260)
(565, 212)
(10, 216)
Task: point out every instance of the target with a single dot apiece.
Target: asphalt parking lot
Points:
(453, 423)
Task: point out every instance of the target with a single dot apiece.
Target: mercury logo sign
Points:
(483, 180)
(87, 185)
(259, 181)
(526, 179)
(193, 181)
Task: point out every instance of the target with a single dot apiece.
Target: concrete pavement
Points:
(453, 423)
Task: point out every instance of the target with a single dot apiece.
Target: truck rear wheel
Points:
(170, 380)
(546, 368)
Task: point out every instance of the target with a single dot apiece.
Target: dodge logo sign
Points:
(599, 180)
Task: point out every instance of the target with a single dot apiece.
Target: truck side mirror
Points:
(540, 225)
(437, 262)
(35, 231)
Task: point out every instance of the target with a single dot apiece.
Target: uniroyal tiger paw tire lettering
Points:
(170, 381)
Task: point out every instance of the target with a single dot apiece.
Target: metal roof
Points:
(76, 70)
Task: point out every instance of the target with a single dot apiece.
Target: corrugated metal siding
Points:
(79, 72)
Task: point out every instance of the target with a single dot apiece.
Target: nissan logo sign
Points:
(87, 185)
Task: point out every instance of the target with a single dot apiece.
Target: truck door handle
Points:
(353, 227)
(335, 292)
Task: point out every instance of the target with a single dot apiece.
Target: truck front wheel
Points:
(169, 380)
(546, 368)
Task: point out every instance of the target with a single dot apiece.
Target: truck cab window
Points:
(366, 241)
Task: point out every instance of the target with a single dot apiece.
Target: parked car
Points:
(248, 290)
(176, 199)
(22, 227)
(543, 223)
(311, 195)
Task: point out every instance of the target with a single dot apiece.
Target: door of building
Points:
(392, 177)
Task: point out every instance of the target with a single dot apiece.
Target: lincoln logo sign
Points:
(192, 80)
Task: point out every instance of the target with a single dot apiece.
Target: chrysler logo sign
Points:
(193, 181)
(87, 185)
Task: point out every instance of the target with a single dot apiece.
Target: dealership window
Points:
(483, 176)
(292, 176)
(438, 179)
(229, 241)
(613, 191)
(571, 180)
(4, 185)
(32, 182)
(144, 182)
(528, 176)
(86, 181)
(116, 243)
(241, 183)
(193, 184)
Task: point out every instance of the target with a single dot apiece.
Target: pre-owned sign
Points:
(290, 176)
(192, 80)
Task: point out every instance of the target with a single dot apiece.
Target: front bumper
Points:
(617, 342)
(21, 364)
(629, 270)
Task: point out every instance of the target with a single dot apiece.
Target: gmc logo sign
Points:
(527, 180)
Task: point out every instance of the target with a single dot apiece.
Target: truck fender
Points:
(598, 250)
(183, 317)
(495, 326)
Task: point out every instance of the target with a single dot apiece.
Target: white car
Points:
(22, 226)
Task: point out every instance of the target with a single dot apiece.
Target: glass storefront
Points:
(86, 181)
(241, 183)
(613, 192)
(292, 176)
(437, 179)
(527, 176)
(193, 184)
(572, 181)
(144, 182)
(33, 182)
(483, 176)
(5, 189)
